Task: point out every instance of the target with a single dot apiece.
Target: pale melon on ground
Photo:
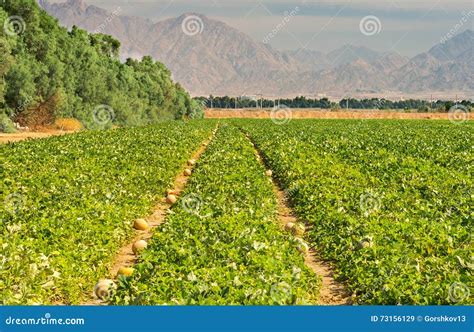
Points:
(104, 289)
(171, 199)
(171, 192)
(139, 246)
(289, 226)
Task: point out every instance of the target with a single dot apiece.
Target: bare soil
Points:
(24, 135)
(321, 114)
(332, 292)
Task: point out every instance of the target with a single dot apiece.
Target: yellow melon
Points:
(125, 271)
(140, 225)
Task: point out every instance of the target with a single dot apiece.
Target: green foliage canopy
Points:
(41, 59)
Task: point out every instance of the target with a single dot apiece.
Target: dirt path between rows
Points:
(125, 256)
(332, 292)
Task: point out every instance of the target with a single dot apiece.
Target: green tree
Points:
(81, 72)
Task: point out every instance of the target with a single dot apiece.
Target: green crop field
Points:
(388, 203)
(224, 246)
(68, 203)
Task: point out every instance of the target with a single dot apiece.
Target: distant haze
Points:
(407, 27)
(210, 57)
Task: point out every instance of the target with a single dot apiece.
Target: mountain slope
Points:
(309, 60)
(206, 60)
(221, 60)
(447, 66)
(218, 54)
(350, 53)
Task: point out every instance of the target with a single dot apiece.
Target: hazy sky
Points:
(406, 26)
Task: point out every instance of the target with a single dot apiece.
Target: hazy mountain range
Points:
(221, 60)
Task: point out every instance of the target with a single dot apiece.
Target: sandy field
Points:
(20, 136)
(320, 114)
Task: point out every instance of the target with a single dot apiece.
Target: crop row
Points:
(221, 242)
(390, 202)
(68, 203)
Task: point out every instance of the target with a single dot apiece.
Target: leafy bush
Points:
(6, 124)
(197, 110)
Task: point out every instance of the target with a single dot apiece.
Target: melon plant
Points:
(231, 248)
(71, 201)
(389, 202)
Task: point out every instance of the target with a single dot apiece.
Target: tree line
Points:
(49, 72)
(227, 102)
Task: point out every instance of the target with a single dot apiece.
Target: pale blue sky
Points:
(407, 26)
